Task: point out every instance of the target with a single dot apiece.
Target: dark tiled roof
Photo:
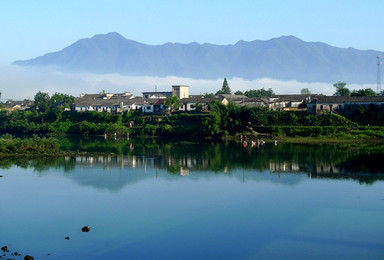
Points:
(294, 98)
(84, 102)
(198, 100)
(231, 97)
(338, 99)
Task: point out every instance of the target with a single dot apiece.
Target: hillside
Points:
(283, 58)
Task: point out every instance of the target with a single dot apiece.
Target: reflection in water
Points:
(187, 158)
(154, 199)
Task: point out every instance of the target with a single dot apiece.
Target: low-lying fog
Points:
(18, 83)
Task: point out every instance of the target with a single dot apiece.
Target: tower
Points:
(378, 74)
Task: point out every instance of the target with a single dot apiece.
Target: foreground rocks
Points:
(86, 229)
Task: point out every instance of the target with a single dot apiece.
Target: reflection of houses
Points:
(343, 105)
(295, 167)
(286, 166)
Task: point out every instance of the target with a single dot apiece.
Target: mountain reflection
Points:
(133, 160)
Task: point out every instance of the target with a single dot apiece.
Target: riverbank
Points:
(329, 140)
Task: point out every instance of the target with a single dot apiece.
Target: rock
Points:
(67, 238)
(86, 229)
(5, 249)
(28, 257)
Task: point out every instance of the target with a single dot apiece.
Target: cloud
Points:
(18, 83)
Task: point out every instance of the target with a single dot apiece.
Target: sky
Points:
(33, 28)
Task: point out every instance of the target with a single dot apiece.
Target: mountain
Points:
(283, 58)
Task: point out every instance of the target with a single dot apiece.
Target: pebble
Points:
(86, 229)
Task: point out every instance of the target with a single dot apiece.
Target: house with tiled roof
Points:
(106, 102)
(343, 105)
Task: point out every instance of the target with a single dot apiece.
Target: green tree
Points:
(225, 88)
(259, 93)
(239, 93)
(209, 95)
(305, 91)
(43, 102)
(341, 90)
(172, 103)
(62, 100)
(368, 92)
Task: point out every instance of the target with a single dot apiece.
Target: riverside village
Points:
(154, 102)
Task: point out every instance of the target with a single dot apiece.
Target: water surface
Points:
(184, 200)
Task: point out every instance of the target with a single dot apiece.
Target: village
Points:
(153, 102)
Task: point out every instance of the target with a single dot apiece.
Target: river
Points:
(166, 199)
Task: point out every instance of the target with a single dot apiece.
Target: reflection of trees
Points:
(329, 161)
(40, 164)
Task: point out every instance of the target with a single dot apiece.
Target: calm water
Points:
(182, 200)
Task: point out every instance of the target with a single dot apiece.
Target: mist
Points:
(18, 83)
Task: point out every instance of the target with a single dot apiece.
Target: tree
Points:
(225, 88)
(239, 93)
(259, 93)
(172, 103)
(341, 90)
(368, 92)
(305, 91)
(42, 101)
(62, 100)
(209, 95)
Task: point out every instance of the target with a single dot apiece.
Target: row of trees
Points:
(225, 89)
(342, 90)
(44, 103)
(233, 119)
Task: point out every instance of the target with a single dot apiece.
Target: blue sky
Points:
(33, 28)
(30, 28)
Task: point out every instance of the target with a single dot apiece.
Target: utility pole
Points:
(378, 74)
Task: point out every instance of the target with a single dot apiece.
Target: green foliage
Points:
(43, 102)
(63, 100)
(119, 129)
(209, 95)
(368, 92)
(305, 91)
(150, 129)
(239, 93)
(341, 90)
(172, 103)
(259, 93)
(225, 89)
(10, 145)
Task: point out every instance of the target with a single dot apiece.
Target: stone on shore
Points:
(86, 229)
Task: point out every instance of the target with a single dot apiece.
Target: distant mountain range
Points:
(283, 58)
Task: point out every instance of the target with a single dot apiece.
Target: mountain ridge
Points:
(281, 58)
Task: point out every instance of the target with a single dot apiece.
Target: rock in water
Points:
(5, 249)
(86, 229)
(28, 257)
